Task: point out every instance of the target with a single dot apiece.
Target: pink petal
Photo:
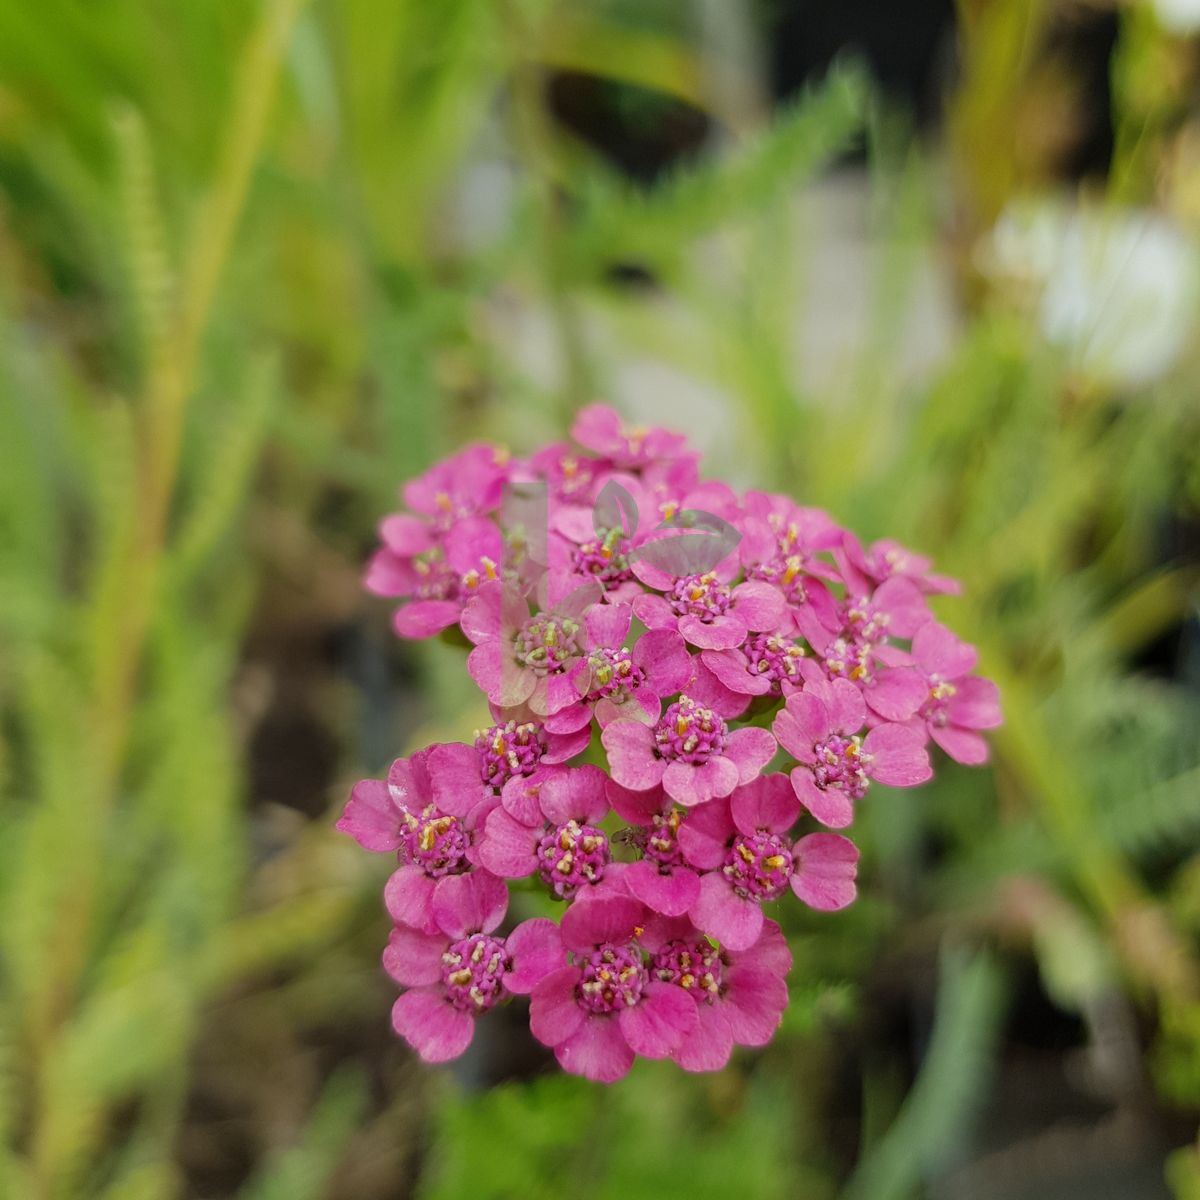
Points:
(408, 897)
(897, 693)
(900, 756)
(370, 817)
(721, 633)
(754, 1000)
(660, 1020)
(574, 793)
(608, 625)
(508, 848)
(570, 719)
(671, 894)
(389, 575)
(844, 703)
(963, 745)
(598, 1051)
(707, 1048)
(481, 615)
(589, 923)
(769, 953)
(690, 784)
(406, 535)
(638, 808)
(631, 757)
(654, 612)
(502, 681)
(705, 834)
(472, 903)
(940, 653)
(554, 1013)
(768, 803)
(413, 958)
(521, 798)
(731, 668)
(901, 599)
(535, 949)
(758, 605)
(435, 1029)
(732, 920)
(803, 721)
(750, 749)
(454, 778)
(425, 618)
(976, 705)
(662, 654)
(827, 866)
(830, 806)
(708, 690)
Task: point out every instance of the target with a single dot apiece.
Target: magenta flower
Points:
(502, 752)
(549, 824)
(662, 880)
(524, 659)
(820, 728)
(600, 429)
(742, 843)
(437, 572)
(885, 559)
(467, 484)
(690, 752)
(766, 664)
(605, 1008)
(612, 681)
(705, 610)
(433, 842)
(460, 970)
(740, 995)
(955, 703)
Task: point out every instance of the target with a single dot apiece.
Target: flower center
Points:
(473, 971)
(506, 751)
(690, 733)
(662, 839)
(545, 643)
(786, 572)
(613, 673)
(702, 596)
(934, 708)
(486, 572)
(849, 660)
(866, 620)
(436, 579)
(842, 764)
(694, 966)
(775, 658)
(606, 559)
(613, 978)
(435, 842)
(759, 866)
(570, 856)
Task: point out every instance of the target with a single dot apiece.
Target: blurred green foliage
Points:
(238, 305)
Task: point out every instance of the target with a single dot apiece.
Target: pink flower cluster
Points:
(681, 679)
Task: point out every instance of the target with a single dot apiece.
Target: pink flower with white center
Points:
(896, 608)
(434, 839)
(885, 559)
(740, 995)
(467, 484)
(662, 880)
(611, 680)
(438, 574)
(460, 970)
(605, 1008)
(820, 728)
(766, 664)
(507, 750)
(956, 703)
(600, 429)
(742, 843)
(690, 752)
(569, 475)
(521, 658)
(549, 825)
(706, 611)
(892, 688)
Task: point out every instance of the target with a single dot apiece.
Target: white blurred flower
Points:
(1178, 16)
(1117, 289)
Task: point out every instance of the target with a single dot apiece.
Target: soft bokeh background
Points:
(932, 268)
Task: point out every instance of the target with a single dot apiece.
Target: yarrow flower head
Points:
(684, 684)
